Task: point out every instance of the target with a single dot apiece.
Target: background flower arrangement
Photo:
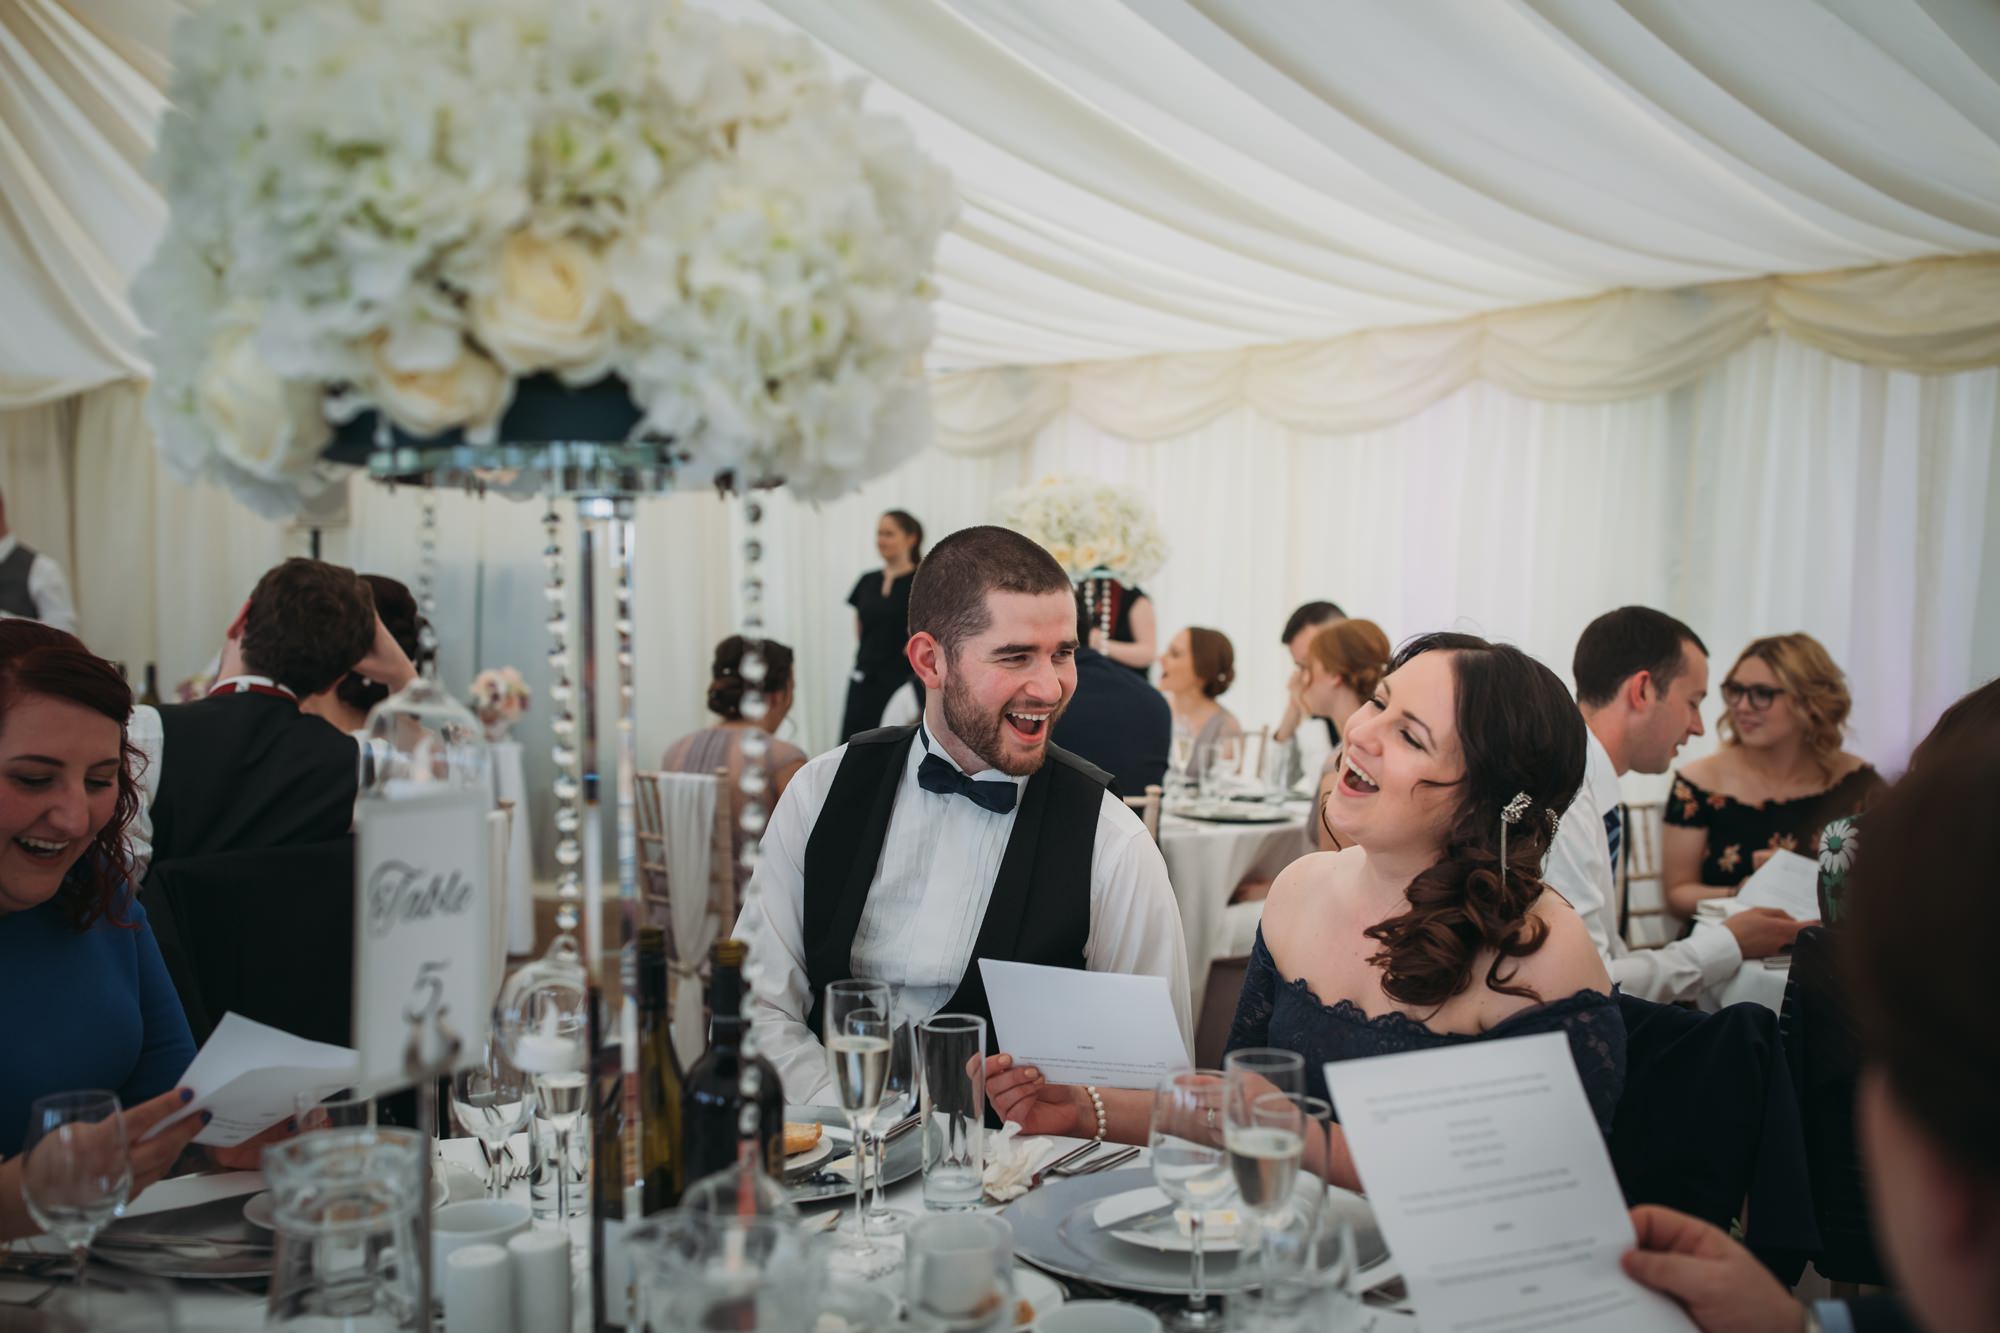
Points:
(1089, 526)
(500, 698)
(412, 207)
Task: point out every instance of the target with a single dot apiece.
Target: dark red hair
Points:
(38, 659)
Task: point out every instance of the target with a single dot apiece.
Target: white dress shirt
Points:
(1579, 868)
(47, 586)
(940, 856)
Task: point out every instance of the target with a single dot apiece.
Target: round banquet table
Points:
(1206, 860)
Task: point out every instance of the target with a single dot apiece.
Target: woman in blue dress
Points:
(1415, 936)
(86, 999)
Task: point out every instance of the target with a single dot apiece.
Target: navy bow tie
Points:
(934, 774)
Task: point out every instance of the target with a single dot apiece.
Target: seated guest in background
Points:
(87, 999)
(1917, 953)
(1198, 666)
(1345, 663)
(244, 768)
(1417, 936)
(907, 855)
(1308, 743)
(348, 703)
(721, 746)
(1779, 778)
(1117, 720)
(32, 586)
(1641, 677)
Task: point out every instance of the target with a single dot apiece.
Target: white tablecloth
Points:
(510, 784)
(1206, 861)
(1755, 980)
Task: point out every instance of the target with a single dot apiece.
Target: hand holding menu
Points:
(1106, 1028)
(1786, 881)
(1492, 1185)
(248, 1075)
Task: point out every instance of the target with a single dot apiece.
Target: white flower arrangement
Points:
(1089, 526)
(500, 698)
(410, 207)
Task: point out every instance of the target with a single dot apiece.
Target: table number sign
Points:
(422, 925)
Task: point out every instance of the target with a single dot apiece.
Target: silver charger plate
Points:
(905, 1157)
(1054, 1231)
(1234, 812)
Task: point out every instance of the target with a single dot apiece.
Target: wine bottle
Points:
(152, 695)
(614, 1203)
(662, 1163)
(711, 1112)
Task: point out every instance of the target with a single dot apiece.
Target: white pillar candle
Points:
(478, 1291)
(540, 1260)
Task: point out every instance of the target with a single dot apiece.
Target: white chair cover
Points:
(687, 804)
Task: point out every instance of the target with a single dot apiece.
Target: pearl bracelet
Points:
(1097, 1104)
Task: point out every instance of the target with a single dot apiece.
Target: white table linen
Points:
(1206, 860)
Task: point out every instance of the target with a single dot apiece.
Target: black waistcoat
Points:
(244, 771)
(1040, 908)
(15, 599)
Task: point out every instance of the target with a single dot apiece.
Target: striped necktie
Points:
(1614, 835)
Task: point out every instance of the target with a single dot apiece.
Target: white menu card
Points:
(1493, 1187)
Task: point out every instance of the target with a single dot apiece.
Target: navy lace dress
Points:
(1273, 1011)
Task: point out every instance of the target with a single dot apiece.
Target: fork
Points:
(1105, 1163)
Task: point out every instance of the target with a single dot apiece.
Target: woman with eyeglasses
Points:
(1778, 779)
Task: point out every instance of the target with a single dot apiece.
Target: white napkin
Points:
(1011, 1163)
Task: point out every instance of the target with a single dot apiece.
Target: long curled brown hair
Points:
(38, 659)
(1519, 732)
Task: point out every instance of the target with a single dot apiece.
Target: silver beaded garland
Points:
(562, 693)
(756, 744)
(427, 548)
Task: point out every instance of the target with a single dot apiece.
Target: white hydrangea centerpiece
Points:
(412, 208)
(1091, 527)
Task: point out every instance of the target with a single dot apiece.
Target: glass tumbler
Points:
(346, 1204)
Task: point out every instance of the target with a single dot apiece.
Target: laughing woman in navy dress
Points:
(1415, 937)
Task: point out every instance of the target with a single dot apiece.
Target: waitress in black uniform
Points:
(881, 602)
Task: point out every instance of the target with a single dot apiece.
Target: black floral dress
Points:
(1738, 830)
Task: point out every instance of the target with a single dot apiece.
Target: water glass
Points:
(76, 1170)
(960, 1277)
(702, 1271)
(345, 1202)
(1265, 1135)
(1191, 1166)
(492, 1101)
(951, 1050)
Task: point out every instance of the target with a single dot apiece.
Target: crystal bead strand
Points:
(427, 561)
(756, 744)
(562, 693)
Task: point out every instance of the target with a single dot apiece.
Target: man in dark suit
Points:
(1116, 720)
(244, 768)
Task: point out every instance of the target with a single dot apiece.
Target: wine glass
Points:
(1265, 1135)
(1180, 758)
(540, 1023)
(1219, 762)
(1268, 1068)
(1191, 1166)
(492, 1101)
(858, 1024)
(76, 1171)
(899, 1098)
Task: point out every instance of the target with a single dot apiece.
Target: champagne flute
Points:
(899, 1098)
(492, 1100)
(1191, 1166)
(1265, 1135)
(76, 1171)
(858, 1019)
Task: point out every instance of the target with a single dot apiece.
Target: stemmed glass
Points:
(858, 1026)
(76, 1171)
(1190, 1165)
(541, 1023)
(1265, 1135)
(1219, 763)
(1180, 759)
(899, 1098)
(493, 1101)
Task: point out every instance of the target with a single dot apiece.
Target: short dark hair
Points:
(397, 607)
(1920, 920)
(948, 595)
(308, 623)
(725, 675)
(1619, 644)
(1310, 614)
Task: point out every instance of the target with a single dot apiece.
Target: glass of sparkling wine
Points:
(1265, 1135)
(492, 1101)
(858, 1027)
(76, 1170)
(1191, 1166)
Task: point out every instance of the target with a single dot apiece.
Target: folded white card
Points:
(248, 1075)
(1788, 882)
(1108, 1028)
(1493, 1187)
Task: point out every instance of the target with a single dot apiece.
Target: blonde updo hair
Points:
(1214, 659)
(1816, 687)
(1355, 650)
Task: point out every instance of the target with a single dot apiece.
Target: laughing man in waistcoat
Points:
(909, 853)
(245, 768)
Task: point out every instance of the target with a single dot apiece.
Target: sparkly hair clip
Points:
(1511, 813)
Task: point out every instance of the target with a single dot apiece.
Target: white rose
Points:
(471, 392)
(269, 427)
(548, 307)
